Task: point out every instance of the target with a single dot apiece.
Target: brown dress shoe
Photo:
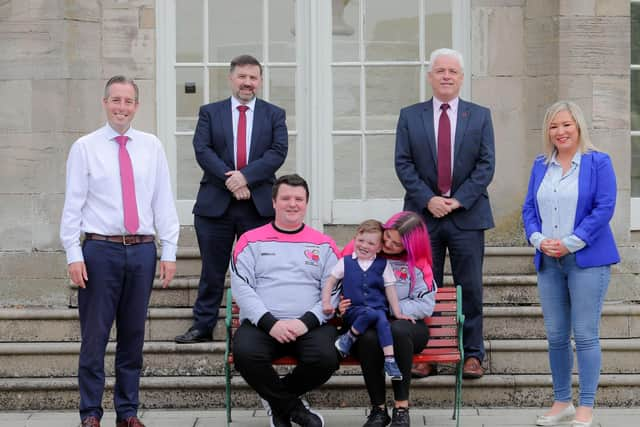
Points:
(423, 370)
(91, 422)
(130, 422)
(472, 368)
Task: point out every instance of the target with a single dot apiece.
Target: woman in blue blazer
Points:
(570, 201)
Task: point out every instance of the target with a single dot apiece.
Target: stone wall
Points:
(57, 54)
(56, 57)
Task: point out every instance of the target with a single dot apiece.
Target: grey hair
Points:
(445, 52)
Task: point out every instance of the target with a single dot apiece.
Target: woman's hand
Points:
(553, 248)
(405, 317)
(344, 304)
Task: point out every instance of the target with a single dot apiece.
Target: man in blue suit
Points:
(239, 143)
(444, 158)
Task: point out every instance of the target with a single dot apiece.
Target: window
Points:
(341, 69)
(635, 115)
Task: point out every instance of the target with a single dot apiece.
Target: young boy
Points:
(368, 281)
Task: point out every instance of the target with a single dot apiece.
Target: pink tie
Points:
(128, 187)
(444, 151)
(241, 155)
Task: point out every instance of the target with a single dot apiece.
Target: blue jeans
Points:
(571, 299)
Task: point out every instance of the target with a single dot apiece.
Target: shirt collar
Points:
(235, 103)
(577, 158)
(453, 104)
(112, 133)
(355, 256)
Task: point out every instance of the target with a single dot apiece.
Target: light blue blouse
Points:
(557, 201)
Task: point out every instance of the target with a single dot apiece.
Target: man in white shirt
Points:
(118, 194)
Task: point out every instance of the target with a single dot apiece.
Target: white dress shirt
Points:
(236, 117)
(93, 196)
(452, 112)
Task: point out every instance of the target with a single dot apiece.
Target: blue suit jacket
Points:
(213, 145)
(596, 204)
(416, 163)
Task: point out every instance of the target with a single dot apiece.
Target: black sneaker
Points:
(378, 417)
(304, 417)
(400, 417)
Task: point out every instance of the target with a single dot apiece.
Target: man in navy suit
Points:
(239, 143)
(445, 160)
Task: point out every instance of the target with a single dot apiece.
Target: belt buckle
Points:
(124, 240)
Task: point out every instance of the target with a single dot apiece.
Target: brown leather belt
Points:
(125, 239)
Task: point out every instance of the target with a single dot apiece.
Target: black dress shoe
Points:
(193, 335)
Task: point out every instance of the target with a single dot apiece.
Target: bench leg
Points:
(458, 395)
(227, 373)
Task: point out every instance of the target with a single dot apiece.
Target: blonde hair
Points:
(584, 141)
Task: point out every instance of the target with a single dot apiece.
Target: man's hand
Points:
(235, 181)
(441, 206)
(167, 271)
(78, 273)
(297, 327)
(242, 194)
(282, 333)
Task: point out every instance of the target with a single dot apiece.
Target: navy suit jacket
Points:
(416, 163)
(213, 145)
(596, 204)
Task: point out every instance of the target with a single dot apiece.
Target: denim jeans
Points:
(571, 299)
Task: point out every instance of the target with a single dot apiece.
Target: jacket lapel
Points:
(584, 182)
(256, 128)
(427, 120)
(227, 125)
(462, 121)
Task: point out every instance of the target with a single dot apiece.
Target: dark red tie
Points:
(129, 205)
(241, 149)
(444, 151)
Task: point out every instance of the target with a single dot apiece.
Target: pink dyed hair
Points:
(415, 239)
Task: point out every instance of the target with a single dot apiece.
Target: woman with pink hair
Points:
(407, 248)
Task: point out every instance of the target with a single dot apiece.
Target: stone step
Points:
(619, 320)
(498, 289)
(49, 359)
(339, 391)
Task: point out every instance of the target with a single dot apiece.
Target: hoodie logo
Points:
(401, 273)
(313, 256)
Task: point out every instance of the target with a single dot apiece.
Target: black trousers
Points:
(253, 353)
(215, 239)
(408, 339)
(466, 252)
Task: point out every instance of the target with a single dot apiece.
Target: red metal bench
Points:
(444, 346)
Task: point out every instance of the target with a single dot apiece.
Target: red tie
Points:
(129, 205)
(444, 151)
(241, 156)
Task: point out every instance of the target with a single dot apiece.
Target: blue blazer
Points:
(213, 145)
(416, 163)
(596, 204)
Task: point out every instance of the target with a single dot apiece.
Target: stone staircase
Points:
(39, 349)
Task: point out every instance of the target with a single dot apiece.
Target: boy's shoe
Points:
(378, 417)
(400, 418)
(392, 370)
(305, 417)
(343, 344)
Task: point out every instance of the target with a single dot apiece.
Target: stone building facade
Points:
(521, 55)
